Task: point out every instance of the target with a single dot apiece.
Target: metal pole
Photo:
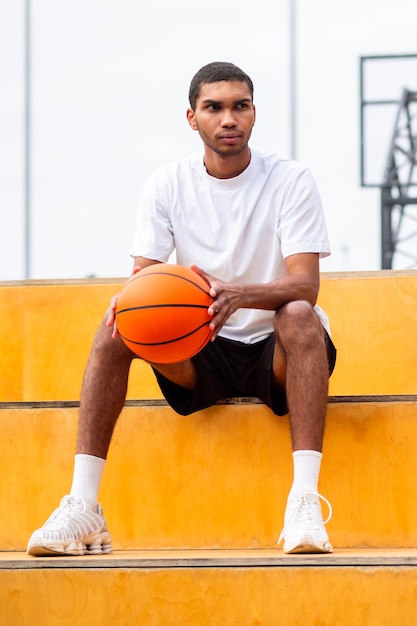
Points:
(362, 120)
(293, 79)
(27, 148)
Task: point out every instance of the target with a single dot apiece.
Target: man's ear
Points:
(191, 119)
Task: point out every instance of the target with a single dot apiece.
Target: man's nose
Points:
(228, 118)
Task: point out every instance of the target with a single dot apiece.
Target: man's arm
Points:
(140, 262)
(301, 283)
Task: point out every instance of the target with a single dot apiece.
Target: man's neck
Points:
(226, 166)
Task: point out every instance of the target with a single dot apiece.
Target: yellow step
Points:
(211, 588)
(48, 328)
(218, 479)
(373, 318)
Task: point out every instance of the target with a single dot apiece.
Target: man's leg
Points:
(77, 526)
(102, 397)
(103, 393)
(301, 367)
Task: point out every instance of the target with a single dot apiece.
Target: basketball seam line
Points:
(161, 343)
(188, 280)
(161, 306)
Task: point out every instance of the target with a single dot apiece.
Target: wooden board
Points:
(210, 596)
(218, 479)
(163, 559)
(48, 328)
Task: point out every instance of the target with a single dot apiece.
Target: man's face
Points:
(224, 117)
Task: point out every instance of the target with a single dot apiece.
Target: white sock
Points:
(306, 471)
(86, 480)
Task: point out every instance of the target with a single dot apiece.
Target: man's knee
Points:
(296, 321)
(112, 347)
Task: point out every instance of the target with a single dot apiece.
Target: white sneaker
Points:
(304, 530)
(74, 528)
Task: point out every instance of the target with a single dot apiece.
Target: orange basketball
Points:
(162, 314)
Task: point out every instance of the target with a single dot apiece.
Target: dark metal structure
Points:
(399, 188)
(398, 181)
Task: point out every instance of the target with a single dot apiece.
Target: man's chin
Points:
(231, 152)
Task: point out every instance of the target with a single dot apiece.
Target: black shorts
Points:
(231, 369)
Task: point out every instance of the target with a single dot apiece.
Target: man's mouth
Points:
(230, 138)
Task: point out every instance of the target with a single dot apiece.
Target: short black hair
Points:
(213, 73)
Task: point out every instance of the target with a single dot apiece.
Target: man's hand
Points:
(111, 313)
(228, 298)
(111, 316)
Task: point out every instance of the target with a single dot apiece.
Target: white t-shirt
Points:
(238, 229)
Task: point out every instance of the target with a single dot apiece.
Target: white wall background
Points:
(109, 92)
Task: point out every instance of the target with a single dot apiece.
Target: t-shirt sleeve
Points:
(302, 227)
(154, 238)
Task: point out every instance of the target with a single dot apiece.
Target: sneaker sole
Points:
(309, 548)
(100, 545)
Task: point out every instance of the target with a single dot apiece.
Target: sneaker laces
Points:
(68, 506)
(304, 510)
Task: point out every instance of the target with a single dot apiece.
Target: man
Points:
(252, 225)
